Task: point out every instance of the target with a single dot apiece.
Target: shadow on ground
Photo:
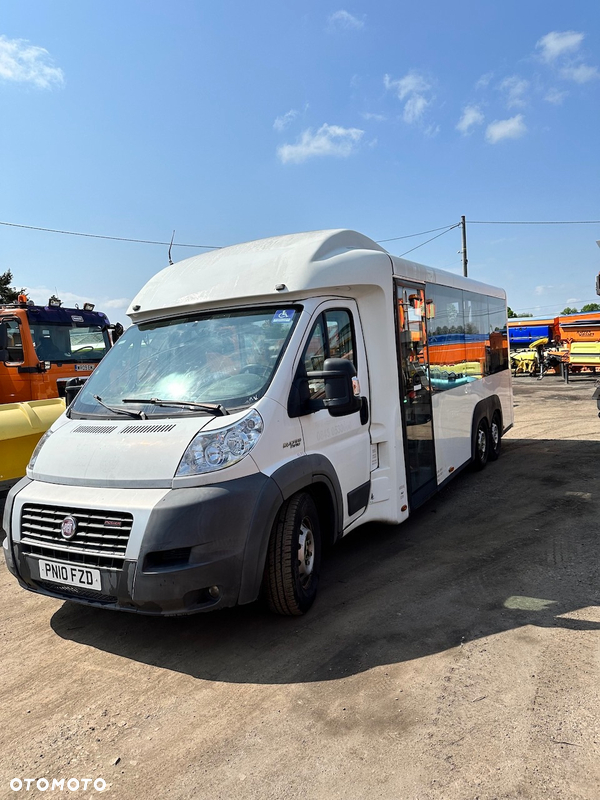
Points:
(511, 546)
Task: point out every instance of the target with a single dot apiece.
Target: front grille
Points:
(75, 591)
(100, 541)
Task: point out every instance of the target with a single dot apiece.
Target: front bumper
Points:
(202, 548)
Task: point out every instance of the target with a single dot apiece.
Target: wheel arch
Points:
(311, 473)
(484, 409)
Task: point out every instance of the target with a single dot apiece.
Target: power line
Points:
(522, 222)
(112, 238)
(429, 240)
(410, 235)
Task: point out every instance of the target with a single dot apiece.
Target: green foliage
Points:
(591, 307)
(511, 313)
(569, 310)
(8, 294)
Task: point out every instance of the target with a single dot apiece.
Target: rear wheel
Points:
(294, 557)
(482, 444)
(495, 437)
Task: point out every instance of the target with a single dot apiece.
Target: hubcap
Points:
(481, 442)
(306, 551)
(495, 434)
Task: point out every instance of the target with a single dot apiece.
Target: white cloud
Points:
(282, 122)
(411, 83)
(539, 290)
(432, 130)
(414, 108)
(23, 62)
(342, 20)
(484, 81)
(556, 43)
(574, 300)
(514, 88)
(512, 128)
(329, 140)
(580, 74)
(374, 117)
(555, 96)
(413, 88)
(470, 116)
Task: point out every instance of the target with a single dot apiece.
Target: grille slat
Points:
(94, 544)
(148, 429)
(95, 429)
(75, 591)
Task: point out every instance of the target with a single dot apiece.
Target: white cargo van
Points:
(267, 399)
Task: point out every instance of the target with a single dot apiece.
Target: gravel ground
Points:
(454, 657)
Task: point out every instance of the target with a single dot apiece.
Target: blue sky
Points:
(230, 120)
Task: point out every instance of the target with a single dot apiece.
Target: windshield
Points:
(63, 343)
(226, 358)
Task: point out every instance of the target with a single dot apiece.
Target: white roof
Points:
(303, 262)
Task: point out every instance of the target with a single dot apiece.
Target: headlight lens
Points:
(221, 448)
(38, 447)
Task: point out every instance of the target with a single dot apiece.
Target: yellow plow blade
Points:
(21, 427)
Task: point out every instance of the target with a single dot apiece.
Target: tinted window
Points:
(15, 344)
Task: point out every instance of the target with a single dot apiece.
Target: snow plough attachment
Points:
(21, 427)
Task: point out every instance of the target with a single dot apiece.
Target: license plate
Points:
(72, 575)
(84, 367)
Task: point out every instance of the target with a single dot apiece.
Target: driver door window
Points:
(15, 344)
(332, 337)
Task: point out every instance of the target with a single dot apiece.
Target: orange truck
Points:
(577, 341)
(42, 348)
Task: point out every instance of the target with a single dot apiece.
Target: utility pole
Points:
(463, 225)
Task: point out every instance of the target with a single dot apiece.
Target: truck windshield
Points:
(226, 358)
(69, 343)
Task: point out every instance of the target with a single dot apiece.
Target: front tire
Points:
(294, 557)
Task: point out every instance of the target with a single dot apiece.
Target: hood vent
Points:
(148, 428)
(95, 429)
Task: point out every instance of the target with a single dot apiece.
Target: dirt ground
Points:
(454, 657)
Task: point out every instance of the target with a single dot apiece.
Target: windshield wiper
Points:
(134, 414)
(212, 408)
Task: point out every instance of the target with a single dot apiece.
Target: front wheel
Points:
(294, 557)
(482, 444)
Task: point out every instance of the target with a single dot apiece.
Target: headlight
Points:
(38, 447)
(220, 448)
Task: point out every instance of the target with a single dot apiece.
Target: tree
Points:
(511, 313)
(591, 307)
(8, 294)
(569, 310)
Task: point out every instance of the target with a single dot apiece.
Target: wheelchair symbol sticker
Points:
(284, 315)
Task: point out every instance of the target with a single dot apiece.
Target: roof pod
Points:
(301, 262)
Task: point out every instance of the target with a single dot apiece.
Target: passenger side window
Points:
(332, 337)
(314, 354)
(15, 344)
(340, 334)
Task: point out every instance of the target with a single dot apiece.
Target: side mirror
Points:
(342, 390)
(334, 388)
(72, 389)
(117, 331)
(3, 341)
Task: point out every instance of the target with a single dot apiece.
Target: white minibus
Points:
(267, 399)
